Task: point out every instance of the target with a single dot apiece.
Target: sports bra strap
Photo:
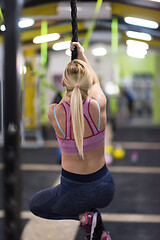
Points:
(68, 119)
(57, 121)
(99, 118)
(87, 115)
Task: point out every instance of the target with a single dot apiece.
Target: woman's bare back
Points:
(93, 159)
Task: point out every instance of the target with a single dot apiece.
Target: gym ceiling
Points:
(57, 14)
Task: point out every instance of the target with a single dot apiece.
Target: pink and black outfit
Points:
(97, 138)
(76, 193)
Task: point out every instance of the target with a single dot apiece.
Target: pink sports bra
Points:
(68, 144)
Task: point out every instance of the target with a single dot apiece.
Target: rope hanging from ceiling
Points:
(74, 27)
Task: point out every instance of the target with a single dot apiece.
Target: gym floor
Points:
(135, 211)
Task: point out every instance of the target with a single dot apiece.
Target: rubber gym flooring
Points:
(135, 211)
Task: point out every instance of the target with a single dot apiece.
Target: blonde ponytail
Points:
(78, 80)
(77, 118)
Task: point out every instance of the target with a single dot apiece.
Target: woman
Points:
(79, 122)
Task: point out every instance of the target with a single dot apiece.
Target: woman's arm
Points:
(96, 90)
(82, 57)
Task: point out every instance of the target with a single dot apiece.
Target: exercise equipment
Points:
(11, 110)
(109, 149)
(118, 153)
(134, 156)
(74, 27)
(111, 152)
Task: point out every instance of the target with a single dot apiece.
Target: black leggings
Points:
(74, 195)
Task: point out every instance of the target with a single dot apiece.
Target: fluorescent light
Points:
(136, 49)
(61, 45)
(3, 28)
(25, 22)
(155, 1)
(135, 54)
(139, 35)
(99, 51)
(141, 22)
(137, 44)
(68, 52)
(46, 38)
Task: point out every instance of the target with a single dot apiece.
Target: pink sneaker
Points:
(106, 236)
(88, 223)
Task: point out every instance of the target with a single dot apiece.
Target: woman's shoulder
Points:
(98, 95)
(98, 104)
(93, 103)
(55, 109)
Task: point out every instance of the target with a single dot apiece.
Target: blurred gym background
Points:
(121, 39)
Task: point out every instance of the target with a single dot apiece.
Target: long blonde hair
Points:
(78, 80)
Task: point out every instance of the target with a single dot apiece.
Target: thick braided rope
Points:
(74, 27)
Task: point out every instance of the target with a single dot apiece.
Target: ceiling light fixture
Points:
(46, 38)
(139, 35)
(136, 49)
(155, 0)
(137, 44)
(141, 22)
(26, 22)
(99, 51)
(136, 54)
(61, 45)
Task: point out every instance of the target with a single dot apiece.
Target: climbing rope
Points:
(74, 27)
